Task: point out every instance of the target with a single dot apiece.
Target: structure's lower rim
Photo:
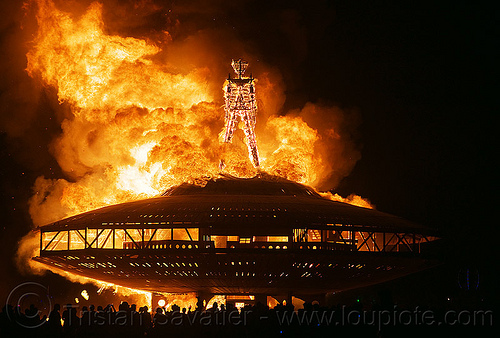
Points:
(239, 273)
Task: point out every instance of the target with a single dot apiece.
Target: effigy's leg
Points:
(228, 136)
(251, 140)
(230, 126)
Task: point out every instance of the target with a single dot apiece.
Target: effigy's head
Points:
(239, 66)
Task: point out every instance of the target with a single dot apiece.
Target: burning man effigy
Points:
(239, 95)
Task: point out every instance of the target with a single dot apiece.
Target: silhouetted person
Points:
(54, 323)
(92, 311)
(124, 307)
(159, 319)
(30, 318)
(145, 318)
(70, 318)
(199, 304)
(85, 320)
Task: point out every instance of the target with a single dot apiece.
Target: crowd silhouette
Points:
(219, 321)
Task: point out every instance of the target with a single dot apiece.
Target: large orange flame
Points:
(133, 127)
(136, 129)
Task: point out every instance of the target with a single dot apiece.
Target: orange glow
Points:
(219, 299)
(294, 156)
(351, 199)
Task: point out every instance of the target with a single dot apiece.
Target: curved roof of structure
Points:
(228, 185)
(266, 202)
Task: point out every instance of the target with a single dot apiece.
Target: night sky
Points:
(420, 75)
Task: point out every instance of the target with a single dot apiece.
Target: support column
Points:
(203, 298)
(261, 298)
